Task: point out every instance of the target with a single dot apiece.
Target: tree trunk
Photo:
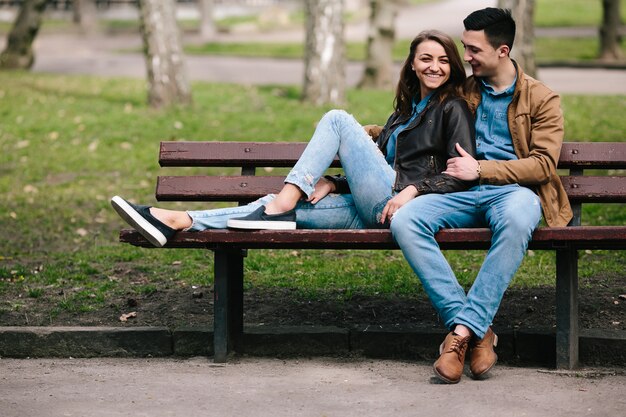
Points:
(86, 15)
(610, 38)
(382, 33)
(167, 78)
(18, 53)
(523, 52)
(207, 24)
(324, 60)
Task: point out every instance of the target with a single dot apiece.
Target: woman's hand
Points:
(400, 199)
(322, 189)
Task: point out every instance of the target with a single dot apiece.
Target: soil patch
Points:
(601, 307)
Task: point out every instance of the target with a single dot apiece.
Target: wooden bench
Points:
(230, 246)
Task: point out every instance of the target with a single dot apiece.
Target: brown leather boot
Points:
(482, 355)
(449, 366)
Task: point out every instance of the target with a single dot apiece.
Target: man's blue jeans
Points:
(370, 178)
(511, 212)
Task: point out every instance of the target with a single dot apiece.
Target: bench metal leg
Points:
(228, 303)
(567, 308)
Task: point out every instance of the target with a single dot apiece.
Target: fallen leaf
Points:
(30, 189)
(125, 317)
(22, 144)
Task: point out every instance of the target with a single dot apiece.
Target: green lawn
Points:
(67, 144)
(550, 13)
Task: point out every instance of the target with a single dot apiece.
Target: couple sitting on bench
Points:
(456, 152)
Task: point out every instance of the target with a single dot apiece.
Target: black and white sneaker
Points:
(141, 220)
(258, 220)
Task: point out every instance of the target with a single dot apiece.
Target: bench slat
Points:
(597, 155)
(231, 154)
(580, 237)
(237, 188)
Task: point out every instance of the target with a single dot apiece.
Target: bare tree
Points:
(610, 39)
(207, 23)
(324, 60)
(382, 33)
(167, 77)
(18, 53)
(523, 12)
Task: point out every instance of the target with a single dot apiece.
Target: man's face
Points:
(479, 53)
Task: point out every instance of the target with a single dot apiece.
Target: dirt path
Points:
(304, 387)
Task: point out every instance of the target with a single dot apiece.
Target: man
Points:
(519, 132)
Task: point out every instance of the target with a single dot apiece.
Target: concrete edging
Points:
(528, 346)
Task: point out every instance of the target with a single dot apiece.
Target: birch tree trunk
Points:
(18, 53)
(324, 59)
(523, 12)
(167, 78)
(382, 33)
(207, 23)
(610, 38)
(86, 15)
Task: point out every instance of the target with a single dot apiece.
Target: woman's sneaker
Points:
(258, 220)
(141, 220)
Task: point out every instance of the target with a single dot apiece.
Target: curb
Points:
(522, 347)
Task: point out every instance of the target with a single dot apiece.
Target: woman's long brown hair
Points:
(409, 85)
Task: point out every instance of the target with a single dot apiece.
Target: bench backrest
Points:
(607, 186)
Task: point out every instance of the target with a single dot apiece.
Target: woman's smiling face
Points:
(431, 65)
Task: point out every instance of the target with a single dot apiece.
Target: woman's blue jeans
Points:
(369, 176)
(511, 212)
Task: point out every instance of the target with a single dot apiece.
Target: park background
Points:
(69, 140)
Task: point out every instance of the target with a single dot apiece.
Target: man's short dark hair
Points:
(498, 25)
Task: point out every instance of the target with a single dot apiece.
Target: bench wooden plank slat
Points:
(231, 154)
(580, 237)
(237, 188)
(593, 155)
(596, 155)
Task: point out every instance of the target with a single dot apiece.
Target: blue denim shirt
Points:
(493, 138)
(391, 145)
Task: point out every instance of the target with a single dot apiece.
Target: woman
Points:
(405, 160)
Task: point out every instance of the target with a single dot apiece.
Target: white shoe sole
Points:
(137, 221)
(261, 225)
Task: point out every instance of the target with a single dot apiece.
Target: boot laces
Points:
(459, 346)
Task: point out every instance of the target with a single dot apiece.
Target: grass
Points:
(69, 143)
(554, 13)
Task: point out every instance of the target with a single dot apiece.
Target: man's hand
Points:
(322, 189)
(400, 199)
(373, 130)
(464, 167)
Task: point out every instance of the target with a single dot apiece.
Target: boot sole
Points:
(261, 224)
(444, 379)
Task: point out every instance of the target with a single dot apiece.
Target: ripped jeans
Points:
(369, 176)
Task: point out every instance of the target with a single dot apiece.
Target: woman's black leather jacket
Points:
(423, 148)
